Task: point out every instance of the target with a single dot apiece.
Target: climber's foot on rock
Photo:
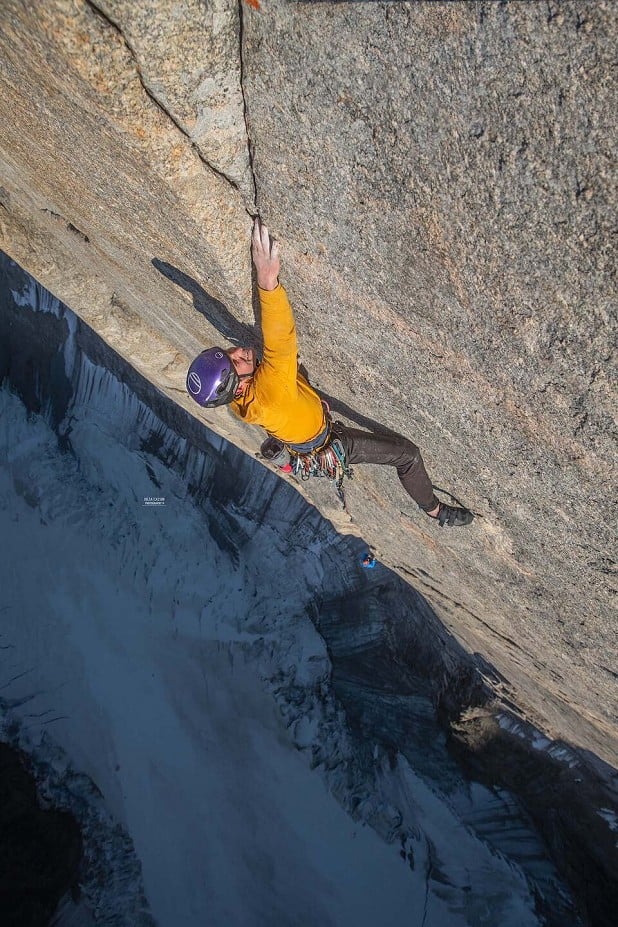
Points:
(451, 515)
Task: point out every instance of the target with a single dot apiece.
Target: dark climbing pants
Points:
(393, 451)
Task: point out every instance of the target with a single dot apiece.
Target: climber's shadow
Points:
(338, 406)
(212, 309)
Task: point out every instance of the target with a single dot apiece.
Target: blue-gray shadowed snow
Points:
(266, 720)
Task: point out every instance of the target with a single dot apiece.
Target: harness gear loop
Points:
(328, 462)
(327, 459)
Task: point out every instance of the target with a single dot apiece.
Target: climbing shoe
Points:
(453, 516)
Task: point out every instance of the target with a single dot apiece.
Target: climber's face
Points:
(243, 360)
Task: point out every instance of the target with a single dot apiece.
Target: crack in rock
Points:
(250, 148)
(250, 210)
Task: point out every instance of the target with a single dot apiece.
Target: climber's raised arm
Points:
(265, 253)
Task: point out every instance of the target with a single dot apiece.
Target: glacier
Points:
(203, 673)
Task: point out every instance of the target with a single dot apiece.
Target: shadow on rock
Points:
(338, 406)
(212, 309)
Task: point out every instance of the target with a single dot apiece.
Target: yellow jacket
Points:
(278, 397)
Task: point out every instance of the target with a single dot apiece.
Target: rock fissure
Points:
(250, 149)
(161, 106)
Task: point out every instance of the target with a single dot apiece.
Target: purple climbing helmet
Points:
(211, 379)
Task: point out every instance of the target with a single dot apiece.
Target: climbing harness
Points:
(321, 456)
(328, 462)
(319, 441)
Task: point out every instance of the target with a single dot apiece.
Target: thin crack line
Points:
(245, 111)
(149, 93)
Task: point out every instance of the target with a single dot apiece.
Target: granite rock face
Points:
(440, 177)
(199, 83)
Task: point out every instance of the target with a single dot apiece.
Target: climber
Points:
(368, 561)
(273, 393)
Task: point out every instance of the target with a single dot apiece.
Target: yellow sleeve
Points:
(277, 398)
(279, 362)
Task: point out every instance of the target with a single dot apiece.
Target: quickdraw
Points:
(328, 462)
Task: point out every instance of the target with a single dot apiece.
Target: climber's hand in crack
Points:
(265, 252)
